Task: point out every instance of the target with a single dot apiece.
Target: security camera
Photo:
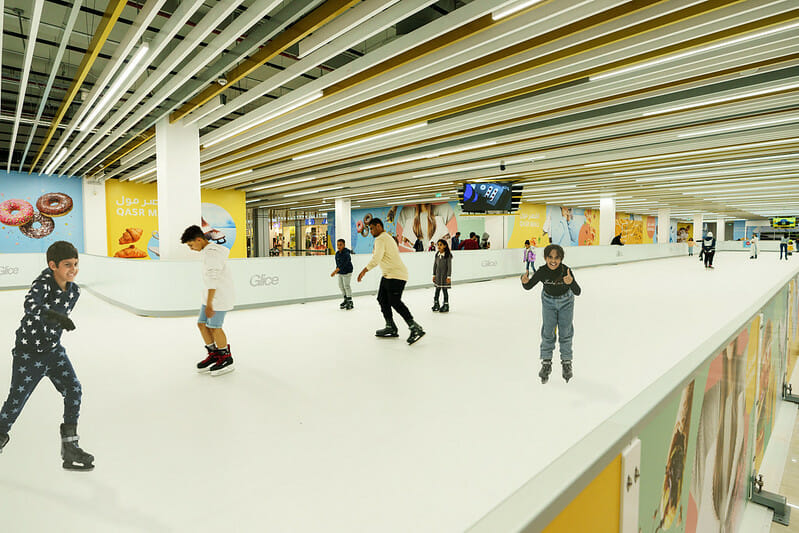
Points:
(502, 166)
(221, 80)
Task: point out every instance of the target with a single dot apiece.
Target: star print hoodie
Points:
(37, 334)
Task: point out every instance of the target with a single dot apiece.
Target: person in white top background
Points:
(753, 246)
(217, 300)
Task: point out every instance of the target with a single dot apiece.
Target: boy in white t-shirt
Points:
(217, 300)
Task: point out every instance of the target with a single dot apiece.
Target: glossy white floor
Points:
(323, 427)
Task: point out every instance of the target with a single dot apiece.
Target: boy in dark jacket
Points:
(557, 300)
(344, 271)
(709, 249)
(38, 351)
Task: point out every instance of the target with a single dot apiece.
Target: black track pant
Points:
(709, 258)
(389, 296)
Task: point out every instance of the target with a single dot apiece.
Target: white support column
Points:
(719, 233)
(607, 220)
(697, 228)
(177, 149)
(343, 221)
(664, 225)
(94, 218)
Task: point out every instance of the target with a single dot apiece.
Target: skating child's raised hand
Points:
(568, 278)
(525, 278)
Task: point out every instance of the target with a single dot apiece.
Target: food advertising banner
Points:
(685, 231)
(132, 218)
(636, 229)
(566, 226)
(38, 210)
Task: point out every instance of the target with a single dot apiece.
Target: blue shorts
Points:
(214, 322)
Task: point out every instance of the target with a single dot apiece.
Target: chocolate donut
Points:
(54, 204)
(46, 227)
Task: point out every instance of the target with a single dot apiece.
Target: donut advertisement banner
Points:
(36, 211)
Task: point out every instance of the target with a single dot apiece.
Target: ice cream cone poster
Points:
(36, 211)
(668, 444)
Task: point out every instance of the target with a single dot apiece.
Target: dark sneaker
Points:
(444, 308)
(567, 370)
(546, 370)
(389, 331)
(436, 307)
(416, 333)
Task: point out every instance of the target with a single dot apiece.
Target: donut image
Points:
(54, 204)
(15, 212)
(367, 218)
(46, 227)
(359, 226)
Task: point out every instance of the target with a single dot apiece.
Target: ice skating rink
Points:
(325, 428)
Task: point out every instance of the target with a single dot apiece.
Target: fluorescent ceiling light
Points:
(540, 182)
(243, 172)
(682, 167)
(361, 141)
(510, 10)
(268, 116)
(723, 99)
(57, 161)
(740, 127)
(431, 185)
(694, 152)
(450, 171)
(142, 174)
(552, 188)
(112, 90)
(688, 53)
(355, 194)
(312, 192)
(525, 160)
(280, 184)
(708, 174)
(429, 156)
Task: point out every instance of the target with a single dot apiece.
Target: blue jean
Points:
(783, 248)
(558, 315)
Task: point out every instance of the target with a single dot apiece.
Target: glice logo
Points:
(488, 263)
(6, 270)
(261, 280)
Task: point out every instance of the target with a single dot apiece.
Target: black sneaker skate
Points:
(350, 305)
(546, 370)
(567, 370)
(224, 363)
(436, 307)
(74, 458)
(213, 357)
(343, 305)
(389, 331)
(416, 332)
(4, 438)
(444, 308)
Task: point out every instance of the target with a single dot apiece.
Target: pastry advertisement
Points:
(132, 211)
(36, 211)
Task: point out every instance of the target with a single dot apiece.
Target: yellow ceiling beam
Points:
(317, 18)
(112, 12)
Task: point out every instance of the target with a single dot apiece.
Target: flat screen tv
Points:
(783, 222)
(481, 197)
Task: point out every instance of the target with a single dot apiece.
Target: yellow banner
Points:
(132, 219)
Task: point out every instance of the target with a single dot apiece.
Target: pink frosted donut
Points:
(15, 212)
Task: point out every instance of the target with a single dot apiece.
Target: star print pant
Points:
(28, 369)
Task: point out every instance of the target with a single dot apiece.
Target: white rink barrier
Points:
(173, 288)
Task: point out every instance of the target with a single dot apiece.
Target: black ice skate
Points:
(349, 305)
(4, 438)
(546, 370)
(436, 307)
(567, 370)
(416, 332)
(389, 331)
(224, 363)
(74, 458)
(444, 308)
(204, 365)
(343, 305)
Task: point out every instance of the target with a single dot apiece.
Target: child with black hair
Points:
(442, 272)
(557, 301)
(38, 352)
(528, 257)
(344, 270)
(217, 300)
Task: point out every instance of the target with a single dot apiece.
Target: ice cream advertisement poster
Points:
(132, 220)
(36, 211)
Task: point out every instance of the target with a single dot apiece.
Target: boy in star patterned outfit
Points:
(38, 351)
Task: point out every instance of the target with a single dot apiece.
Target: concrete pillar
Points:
(697, 228)
(343, 214)
(664, 225)
(95, 222)
(607, 220)
(719, 233)
(177, 151)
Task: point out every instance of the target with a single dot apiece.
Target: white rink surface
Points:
(324, 428)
